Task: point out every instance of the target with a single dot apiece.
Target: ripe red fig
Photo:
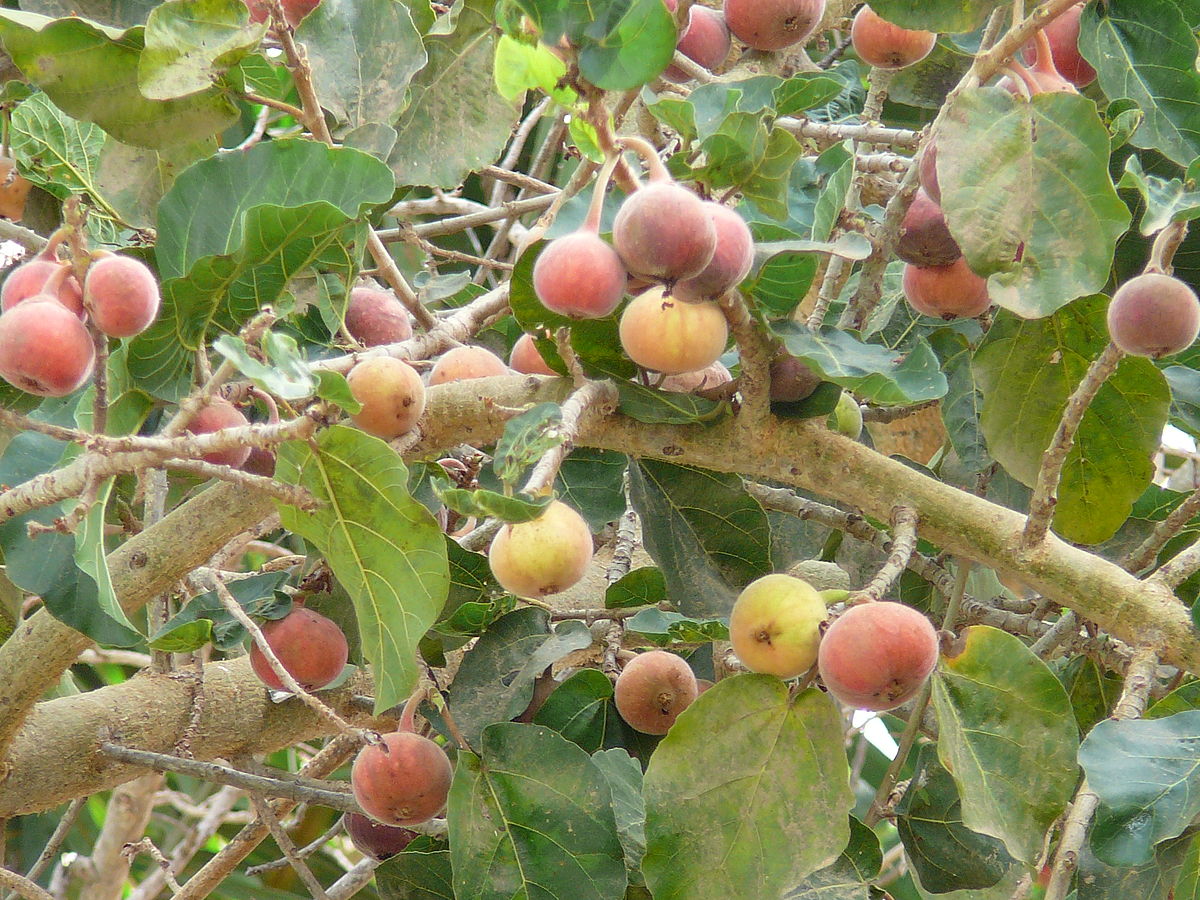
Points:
(731, 260)
(791, 380)
(375, 317)
(543, 556)
(665, 333)
(705, 42)
(1063, 34)
(927, 168)
(218, 415)
(662, 230)
(121, 295)
(653, 689)
(877, 655)
(391, 394)
(886, 46)
(1151, 315)
(404, 780)
(773, 24)
(946, 292)
(375, 839)
(311, 647)
(464, 363)
(526, 359)
(924, 236)
(44, 348)
(29, 279)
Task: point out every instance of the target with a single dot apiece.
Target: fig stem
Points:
(1045, 56)
(1022, 79)
(643, 148)
(408, 716)
(599, 191)
(50, 251)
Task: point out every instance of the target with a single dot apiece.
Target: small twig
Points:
(303, 852)
(1045, 646)
(22, 886)
(145, 845)
(1166, 242)
(828, 134)
(595, 398)
(291, 494)
(354, 880)
(288, 848)
(754, 353)
(881, 804)
(271, 103)
(1179, 567)
(65, 824)
(903, 545)
(1041, 505)
(895, 413)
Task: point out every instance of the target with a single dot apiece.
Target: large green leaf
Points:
(457, 121)
(624, 775)
(1146, 773)
(745, 153)
(849, 876)
(495, 681)
(134, 179)
(532, 816)
(1039, 215)
(946, 855)
(416, 876)
(1027, 369)
(1007, 735)
(581, 710)
(384, 547)
(709, 537)
(363, 55)
(748, 793)
(871, 371)
(947, 16)
(1155, 879)
(961, 406)
(591, 481)
(1145, 50)
(190, 44)
(629, 43)
(91, 73)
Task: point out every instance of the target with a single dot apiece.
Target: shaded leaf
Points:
(646, 586)
(190, 44)
(849, 876)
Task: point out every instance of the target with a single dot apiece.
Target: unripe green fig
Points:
(28, 280)
(543, 556)
(705, 42)
(731, 260)
(121, 295)
(846, 417)
(1062, 32)
(44, 348)
(465, 363)
(653, 689)
(311, 647)
(1152, 315)
(877, 655)
(775, 625)
(791, 379)
(773, 24)
(527, 359)
(946, 292)
(376, 840)
(700, 380)
(662, 332)
(218, 415)
(391, 394)
(404, 780)
(886, 46)
(924, 236)
(375, 317)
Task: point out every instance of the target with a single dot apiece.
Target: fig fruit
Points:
(465, 363)
(731, 260)
(705, 42)
(775, 625)
(218, 415)
(44, 348)
(662, 332)
(653, 689)
(773, 24)
(404, 780)
(375, 317)
(886, 46)
(924, 236)
(121, 295)
(543, 556)
(376, 840)
(311, 647)
(391, 394)
(527, 359)
(1152, 315)
(946, 292)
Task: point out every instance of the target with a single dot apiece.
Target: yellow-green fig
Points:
(543, 556)
(775, 625)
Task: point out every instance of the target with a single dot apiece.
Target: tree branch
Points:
(900, 550)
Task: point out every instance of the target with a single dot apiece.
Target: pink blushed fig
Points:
(293, 10)
(791, 379)
(121, 295)
(465, 363)
(946, 292)
(731, 260)
(375, 317)
(886, 46)
(653, 689)
(924, 236)
(773, 24)
(1042, 77)
(44, 348)
(218, 415)
(1062, 33)
(376, 840)
(705, 42)
(526, 359)
(391, 393)
(403, 780)
(29, 279)
(311, 647)
(1152, 315)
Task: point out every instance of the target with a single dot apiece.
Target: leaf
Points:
(1165, 200)
(91, 73)
(848, 876)
(646, 586)
(624, 775)
(495, 681)
(1092, 690)
(521, 66)
(872, 372)
(526, 439)
(782, 282)
(1145, 773)
(1154, 880)
(946, 855)
(134, 179)
(581, 710)
(190, 44)
(961, 407)
(384, 547)
(416, 876)
(1145, 50)
(592, 481)
(483, 503)
(655, 407)
(832, 198)
(363, 53)
(1027, 370)
(532, 815)
(285, 374)
(947, 16)
(456, 122)
(746, 154)
(709, 537)
(1030, 180)
(234, 228)
(205, 618)
(1007, 735)
(628, 44)
(663, 628)
(754, 778)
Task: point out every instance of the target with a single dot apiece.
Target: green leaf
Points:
(1183, 698)
(416, 876)
(661, 627)
(832, 195)
(871, 371)
(1027, 370)
(592, 481)
(91, 73)
(190, 44)
(848, 877)
(581, 710)
(646, 586)
(484, 503)
(526, 439)
(628, 44)
(946, 854)
(946, 16)
(521, 66)
(285, 374)
(1155, 879)
(384, 547)
(457, 122)
(962, 404)
(1092, 690)
(332, 386)
(1146, 773)
(363, 53)
(709, 537)
(1007, 735)
(746, 154)
(782, 282)
(1145, 50)
(495, 681)
(754, 778)
(532, 815)
(1165, 200)
(624, 776)
(1007, 195)
(205, 618)
(133, 179)
(655, 407)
